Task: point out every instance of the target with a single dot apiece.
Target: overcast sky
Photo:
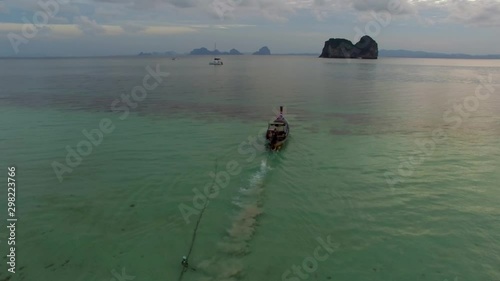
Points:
(121, 27)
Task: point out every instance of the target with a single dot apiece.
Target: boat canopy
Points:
(277, 124)
(216, 58)
(280, 127)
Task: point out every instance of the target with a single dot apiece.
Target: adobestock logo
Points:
(48, 10)
(453, 119)
(311, 264)
(95, 137)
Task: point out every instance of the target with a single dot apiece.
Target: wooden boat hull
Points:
(276, 146)
(277, 132)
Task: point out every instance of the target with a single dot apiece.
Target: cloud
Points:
(281, 10)
(58, 20)
(183, 3)
(48, 30)
(273, 10)
(85, 26)
(3, 9)
(133, 27)
(276, 10)
(481, 12)
(399, 7)
(474, 13)
(220, 26)
(109, 11)
(88, 26)
(149, 4)
(125, 13)
(114, 1)
(168, 30)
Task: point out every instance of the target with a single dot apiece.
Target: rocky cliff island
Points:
(204, 51)
(264, 51)
(366, 48)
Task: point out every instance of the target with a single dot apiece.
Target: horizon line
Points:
(175, 54)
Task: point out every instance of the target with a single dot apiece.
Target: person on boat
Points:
(185, 264)
(275, 137)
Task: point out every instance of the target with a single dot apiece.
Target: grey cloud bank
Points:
(117, 27)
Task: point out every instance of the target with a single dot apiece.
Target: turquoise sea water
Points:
(361, 167)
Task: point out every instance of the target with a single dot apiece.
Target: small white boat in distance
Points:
(216, 61)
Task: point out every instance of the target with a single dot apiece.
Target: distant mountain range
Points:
(413, 54)
(205, 51)
(421, 54)
(382, 53)
(170, 53)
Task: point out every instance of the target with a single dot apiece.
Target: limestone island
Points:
(205, 51)
(340, 48)
(264, 51)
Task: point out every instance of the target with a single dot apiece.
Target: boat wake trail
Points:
(235, 243)
(243, 226)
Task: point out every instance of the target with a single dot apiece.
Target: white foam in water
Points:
(237, 201)
(255, 181)
(258, 177)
